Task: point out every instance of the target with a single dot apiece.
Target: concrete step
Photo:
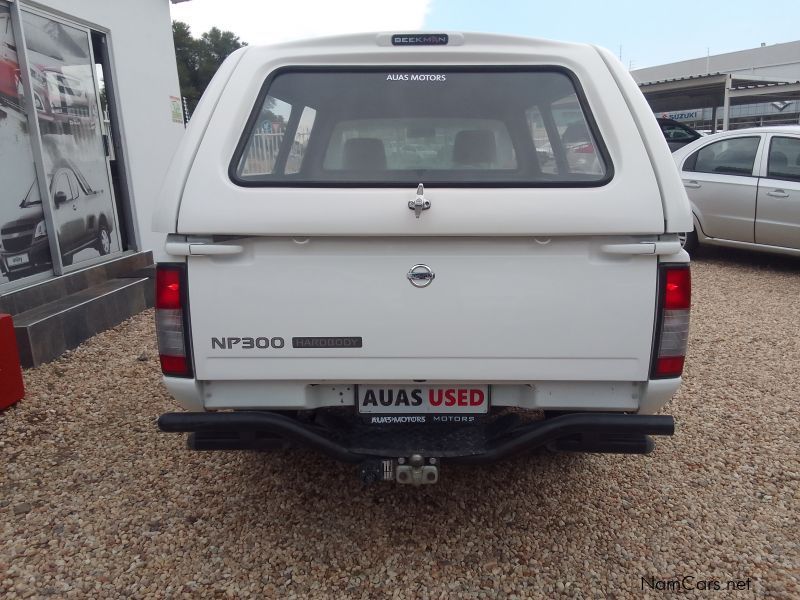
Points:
(135, 264)
(47, 331)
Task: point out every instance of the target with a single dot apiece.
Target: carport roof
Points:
(701, 91)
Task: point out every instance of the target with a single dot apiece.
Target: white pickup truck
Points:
(404, 250)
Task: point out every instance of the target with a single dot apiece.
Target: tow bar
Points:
(408, 471)
(392, 455)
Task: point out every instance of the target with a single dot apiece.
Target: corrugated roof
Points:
(777, 60)
(687, 78)
(743, 80)
(697, 91)
(764, 84)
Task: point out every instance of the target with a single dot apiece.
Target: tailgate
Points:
(498, 309)
(522, 174)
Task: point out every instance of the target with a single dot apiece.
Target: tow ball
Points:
(412, 470)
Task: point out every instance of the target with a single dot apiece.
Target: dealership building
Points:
(748, 88)
(90, 115)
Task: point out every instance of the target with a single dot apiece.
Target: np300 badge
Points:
(420, 276)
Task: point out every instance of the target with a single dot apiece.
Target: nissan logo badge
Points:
(420, 276)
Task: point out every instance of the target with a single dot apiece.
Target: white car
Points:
(744, 188)
(484, 299)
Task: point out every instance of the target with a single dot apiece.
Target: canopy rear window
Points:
(402, 127)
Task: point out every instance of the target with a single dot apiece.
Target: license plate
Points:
(17, 260)
(426, 399)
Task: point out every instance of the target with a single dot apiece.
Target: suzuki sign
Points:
(686, 115)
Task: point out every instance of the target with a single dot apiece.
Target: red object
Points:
(174, 366)
(678, 288)
(669, 366)
(173, 345)
(168, 287)
(12, 389)
(673, 319)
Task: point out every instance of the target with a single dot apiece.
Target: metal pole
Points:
(713, 119)
(36, 138)
(726, 105)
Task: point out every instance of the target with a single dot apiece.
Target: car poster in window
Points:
(24, 249)
(72, 125)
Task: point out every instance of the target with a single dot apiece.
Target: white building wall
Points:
(145, 76)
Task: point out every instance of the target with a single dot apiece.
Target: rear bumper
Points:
(586, 432)
(647, 397)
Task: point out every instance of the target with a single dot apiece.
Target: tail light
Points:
(672, 327)
(585, 149)
(173, 347)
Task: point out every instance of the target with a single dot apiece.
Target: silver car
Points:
(744, 188)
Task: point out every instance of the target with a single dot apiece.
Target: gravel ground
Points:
(94, 502)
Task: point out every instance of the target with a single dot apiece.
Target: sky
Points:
(643, 33)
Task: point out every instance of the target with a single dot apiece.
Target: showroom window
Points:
(24, 247)
(58, 211)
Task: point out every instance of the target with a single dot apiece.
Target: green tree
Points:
(199, 58)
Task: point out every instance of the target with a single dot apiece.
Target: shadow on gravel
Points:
(308, 477)
(734, 257)
(302, 500)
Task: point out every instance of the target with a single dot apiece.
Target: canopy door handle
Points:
(657, 248)
(201, 249)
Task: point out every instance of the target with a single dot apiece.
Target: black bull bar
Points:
(581, 432)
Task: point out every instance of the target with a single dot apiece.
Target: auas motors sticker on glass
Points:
(416, 77)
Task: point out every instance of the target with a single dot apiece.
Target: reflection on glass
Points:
(24, 249)
(62, 71)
